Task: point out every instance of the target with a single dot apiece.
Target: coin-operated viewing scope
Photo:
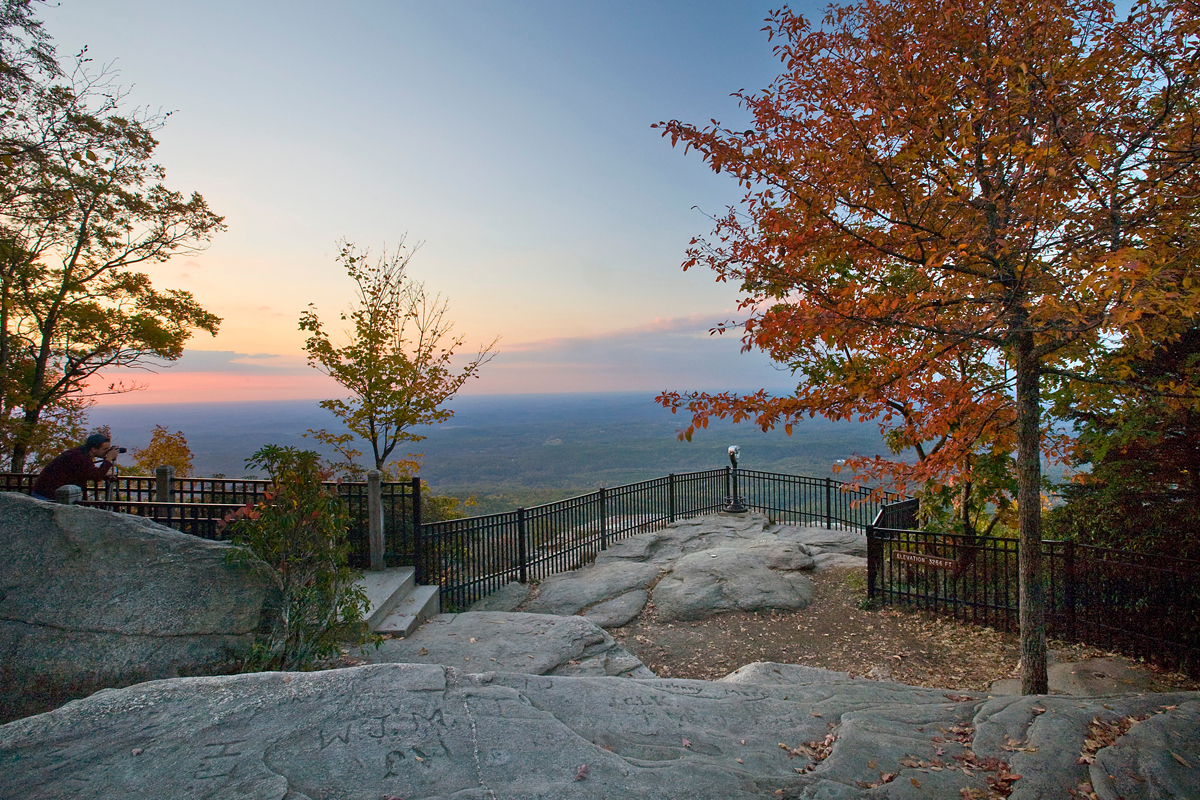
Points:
(735, 505)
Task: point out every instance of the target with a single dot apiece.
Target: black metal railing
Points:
(198, 519)
(471, 558)
(810, 501)
(1141, 604)
(197, 506)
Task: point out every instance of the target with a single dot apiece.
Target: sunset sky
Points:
(512, 138)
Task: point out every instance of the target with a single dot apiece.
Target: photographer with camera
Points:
(75, 467)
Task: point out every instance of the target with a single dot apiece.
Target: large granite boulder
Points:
(732, 579)
(436, 733)
(696, 568)
(92, 599)
(570, 592)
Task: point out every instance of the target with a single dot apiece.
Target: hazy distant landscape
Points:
(512, 450)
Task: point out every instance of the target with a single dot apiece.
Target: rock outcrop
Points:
(436, 733)
(539, 644)
(694, 569)
(92, 599)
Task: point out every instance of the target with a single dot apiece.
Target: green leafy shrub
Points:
(299, 531)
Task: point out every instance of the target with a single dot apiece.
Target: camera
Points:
(122, 450)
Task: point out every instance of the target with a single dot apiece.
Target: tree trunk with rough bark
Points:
(1032, 595)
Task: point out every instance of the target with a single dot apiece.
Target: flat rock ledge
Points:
(691, 570)
(436, 733)
(539, 644)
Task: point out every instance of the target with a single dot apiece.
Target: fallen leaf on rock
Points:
(1176, 756)
(472, 640)
(422, 652)
(686, 743)
(581, 773)
(915, 782)
(137, 751)
(1014, 746)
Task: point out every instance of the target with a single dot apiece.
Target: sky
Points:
(512, 140)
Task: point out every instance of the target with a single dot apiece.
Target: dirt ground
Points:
(835, 632)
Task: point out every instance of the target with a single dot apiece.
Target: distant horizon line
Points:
(615, 392)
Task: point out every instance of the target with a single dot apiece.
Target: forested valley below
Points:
(512, 450)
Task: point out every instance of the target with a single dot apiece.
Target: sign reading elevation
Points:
(937, 562)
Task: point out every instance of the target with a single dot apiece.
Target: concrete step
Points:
(417, 606)
(385, 589)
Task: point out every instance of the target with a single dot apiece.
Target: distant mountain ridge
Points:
(508, 442)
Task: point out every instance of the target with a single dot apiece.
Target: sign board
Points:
(937, 562)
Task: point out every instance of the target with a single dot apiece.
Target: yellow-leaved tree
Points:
(166, 448)
(396, 362)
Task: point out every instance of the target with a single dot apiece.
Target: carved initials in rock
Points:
(219, 762)
(343, 737)
(413, 758)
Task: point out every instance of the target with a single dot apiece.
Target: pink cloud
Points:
(208, 387)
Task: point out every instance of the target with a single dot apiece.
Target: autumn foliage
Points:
(396, 360)
(952, 209)
(165, 448)
(298, 534)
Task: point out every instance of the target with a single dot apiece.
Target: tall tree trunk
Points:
(24, 433)
(18, 457)
(1029, 520)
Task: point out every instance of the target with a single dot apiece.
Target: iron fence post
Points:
(419, 544)
(671, 485)
(872, 562)
(828, 503)
(522, 555)
(1069, 583)
(729, 484)
(603, 519)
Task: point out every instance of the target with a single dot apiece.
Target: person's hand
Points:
(111, 455)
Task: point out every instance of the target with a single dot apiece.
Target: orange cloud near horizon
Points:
(216, 387)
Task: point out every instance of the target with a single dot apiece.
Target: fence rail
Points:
(471, 558)
(198, 519)
(197, 505)
(1141, 604)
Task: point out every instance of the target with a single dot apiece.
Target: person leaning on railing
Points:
(75, 467)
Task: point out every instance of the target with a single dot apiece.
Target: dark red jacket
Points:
(74, 466)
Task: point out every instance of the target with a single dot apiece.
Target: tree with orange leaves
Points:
(165, 448)
(951, 208)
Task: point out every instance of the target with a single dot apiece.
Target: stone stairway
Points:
(396, 604)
